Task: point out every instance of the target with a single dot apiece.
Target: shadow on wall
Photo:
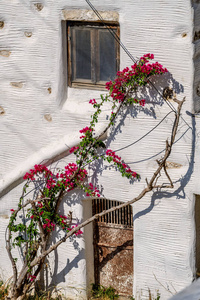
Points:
(52, 274)
(59, 276)
(179, 193)
(56, 276)
(154, 97)
(192, 292)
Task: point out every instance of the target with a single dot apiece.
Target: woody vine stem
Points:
(40, 215)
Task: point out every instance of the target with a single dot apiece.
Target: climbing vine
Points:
(40, 214)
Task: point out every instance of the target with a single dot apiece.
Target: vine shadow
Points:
(179, 193)
(97, 169)
(153, 97)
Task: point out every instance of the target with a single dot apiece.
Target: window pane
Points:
(82, 53)
(107, 49)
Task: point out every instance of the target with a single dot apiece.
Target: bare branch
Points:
(162, 284)
(8, 248)
(168, 145)
(167, 174)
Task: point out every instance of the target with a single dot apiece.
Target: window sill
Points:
(79, 85)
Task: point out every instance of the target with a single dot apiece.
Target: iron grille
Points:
(123, 216)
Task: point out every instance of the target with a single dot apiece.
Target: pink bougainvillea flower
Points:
(139, 72)
(40, 204)
(37, 170)
(73, 149)
(142, 102)
(92, 101)
(117, 161)
(31, 277)
(78, 232)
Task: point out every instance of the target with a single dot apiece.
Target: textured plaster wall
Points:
(40, 116)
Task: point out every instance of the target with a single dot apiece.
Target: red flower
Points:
(73, 149)
(92, 101)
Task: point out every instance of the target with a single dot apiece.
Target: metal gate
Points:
(113, 247)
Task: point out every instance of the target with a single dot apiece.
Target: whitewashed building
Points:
(43, 106)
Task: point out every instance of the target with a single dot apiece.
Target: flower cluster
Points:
(70, 169)
(42, 169)
(116, 89)
(63, 221)
(142, 102)
(40, 207)
(65, 177)
(85, 130)
(92, 191)
(78, 232)
(125, 170)
(147, 56)
(37, 169)
(31, 277)
(51, 183)
(62, 179)
(93, 101)
(73, 149)
(136, 76)
(48, 225)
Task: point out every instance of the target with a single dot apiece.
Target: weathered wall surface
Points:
(40, 115)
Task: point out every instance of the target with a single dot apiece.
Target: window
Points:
(93, 54)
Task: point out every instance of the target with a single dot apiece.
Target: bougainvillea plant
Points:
(33, 221)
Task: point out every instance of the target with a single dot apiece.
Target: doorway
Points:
(113, 247)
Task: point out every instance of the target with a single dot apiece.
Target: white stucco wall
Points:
(36, 125)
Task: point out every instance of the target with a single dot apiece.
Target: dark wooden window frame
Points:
(94, 83)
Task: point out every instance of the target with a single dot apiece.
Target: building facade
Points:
(44, 93)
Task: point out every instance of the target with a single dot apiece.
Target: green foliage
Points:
(150, 296)
(43, 296)
(99, 291)
(3, 290)
(158, 296)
